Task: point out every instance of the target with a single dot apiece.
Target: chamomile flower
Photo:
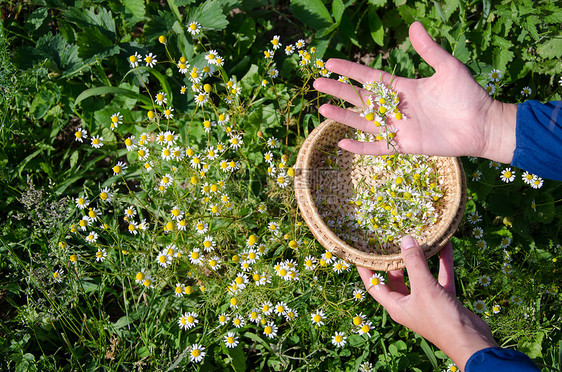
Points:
(476, 175)
(164, 259)
(282, 180)
(496, 309)
(97, 142)
(270, 330)
(505, 242)
(236, 141)
(178, 290)
(57, 276)
(358, 295)
(160, 98)
(80, 135)
(317, 318)
(526, 92)
(238, 321)
(272, 142)
(140, 276)
(309, 263)
(150, 60)
(196, 353)
(516, 300)
(339, 339)
(211, 56)
(365, 328)
(537, 182)
(201, 227)
(507, 175)
(300, 44)
(135, 59)
(195, 256)
(82, 202)
(474, 217)
(490, 89)
(130, 212)
(201, 98)
(166, 180)
(478, 232)
(479, 307)
(119, 168)
(130, 143)
(101, 254)
(168, 113)
(92, 237)
(230, 340)
(188, 320)
(194, 28)
(289, 49)
(495, 75)
(376, 280)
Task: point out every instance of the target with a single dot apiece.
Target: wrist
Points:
(500, 123)
(468, 336)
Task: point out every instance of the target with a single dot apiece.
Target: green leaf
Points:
(42, 102)
(551, 49)
(209, 15)
(36, 19)
(532, 346)
(312, 13)
(238, 359)
(502, 54)
(99, 91)
(375, 26)
(93, 43)
(159, 24)
(337, 10)
(460, 51)
(161, 78)
(429, 353)
(101, 18)
(136, 8)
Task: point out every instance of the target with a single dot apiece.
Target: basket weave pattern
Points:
(314, 183)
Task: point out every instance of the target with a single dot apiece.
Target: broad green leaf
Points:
(41, 104)
(93, 43)
(312, 13)
(502, 54)
(375, 26)
(337, 10)
(159, 24)
(99, 91)
(136, 7)
(209, 15)
(238, 359)
(101, 18)
(551, 49)
(460, 51)
(532, 346)
(36, 19)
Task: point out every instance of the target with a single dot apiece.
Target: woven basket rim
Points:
(332, 242)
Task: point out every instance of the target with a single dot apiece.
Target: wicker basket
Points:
(310, 176)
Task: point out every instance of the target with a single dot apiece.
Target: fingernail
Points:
(408, 242)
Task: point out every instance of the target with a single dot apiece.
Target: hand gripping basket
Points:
(312, 178)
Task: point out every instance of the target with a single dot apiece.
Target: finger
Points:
(446, 269)
(416, 264)
(428, 49)
(396, 283)
(347, 117)
(358, 72)
(368, 148)
(345, 91)
(382, 293)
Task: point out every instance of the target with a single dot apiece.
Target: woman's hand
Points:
(448, 114)
(430, 308)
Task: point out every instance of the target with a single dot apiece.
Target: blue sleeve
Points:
(538, 137)
(499, 360)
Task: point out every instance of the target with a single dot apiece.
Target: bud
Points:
(162, 39)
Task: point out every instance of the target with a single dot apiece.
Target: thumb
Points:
(428, 49)
(416, 264)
